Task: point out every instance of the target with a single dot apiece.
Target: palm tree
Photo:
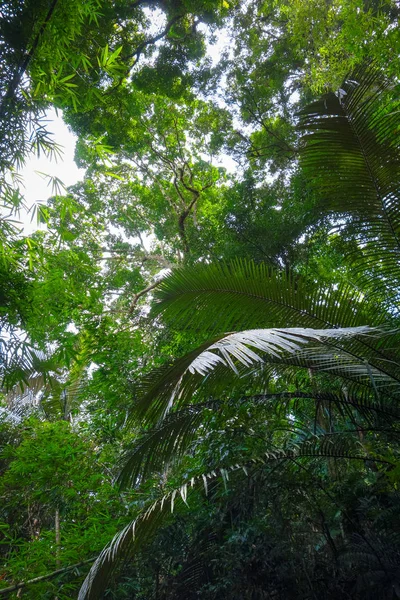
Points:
(343, 340)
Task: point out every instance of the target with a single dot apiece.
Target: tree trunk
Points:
(58, 540)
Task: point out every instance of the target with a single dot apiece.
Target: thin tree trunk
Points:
(58, 537)
(58, 540)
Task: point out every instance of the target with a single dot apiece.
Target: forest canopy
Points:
(199, 342)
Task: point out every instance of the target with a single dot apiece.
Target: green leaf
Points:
(351, 153)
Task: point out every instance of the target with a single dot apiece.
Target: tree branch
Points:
(23, 584)
(283, 145)
(153, 39)
(195, 196)
(138, 51)
(142, 293)
(158, 258)
(19, 73)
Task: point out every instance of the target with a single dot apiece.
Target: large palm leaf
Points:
(242, 294)
(344, 352)
(181, 430)
(139, 531)
(351, 156)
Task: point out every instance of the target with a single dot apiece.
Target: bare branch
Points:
(23, 584)
(137, 53)
(142, 293)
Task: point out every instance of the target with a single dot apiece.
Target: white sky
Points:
(37, 188)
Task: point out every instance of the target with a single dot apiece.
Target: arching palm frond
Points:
(17, 357)
(140, 531)
(159, 446)
(174, 437)
(244, 295)
(223, 362)
(27, 374)
(131, 538)
(351, 154)
(34, 378)
(27, 396)
(377, 558)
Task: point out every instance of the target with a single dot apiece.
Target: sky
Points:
(37, 188)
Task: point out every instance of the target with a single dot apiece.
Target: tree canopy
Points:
(199, 359)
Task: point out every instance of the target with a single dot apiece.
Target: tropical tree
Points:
(331, 355)
(53, 501)
(309, 216)
(81, 57)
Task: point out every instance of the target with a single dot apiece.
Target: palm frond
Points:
(244, 295)
(351, 155)
(174, 437)
(238, 347)
(130, 539)
(29, 374)
(17, 358)
(210, 367)
(139, 531)
(376, 557)
(167, 442)
(30, 394)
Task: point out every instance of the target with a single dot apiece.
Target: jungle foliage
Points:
(199, 345)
